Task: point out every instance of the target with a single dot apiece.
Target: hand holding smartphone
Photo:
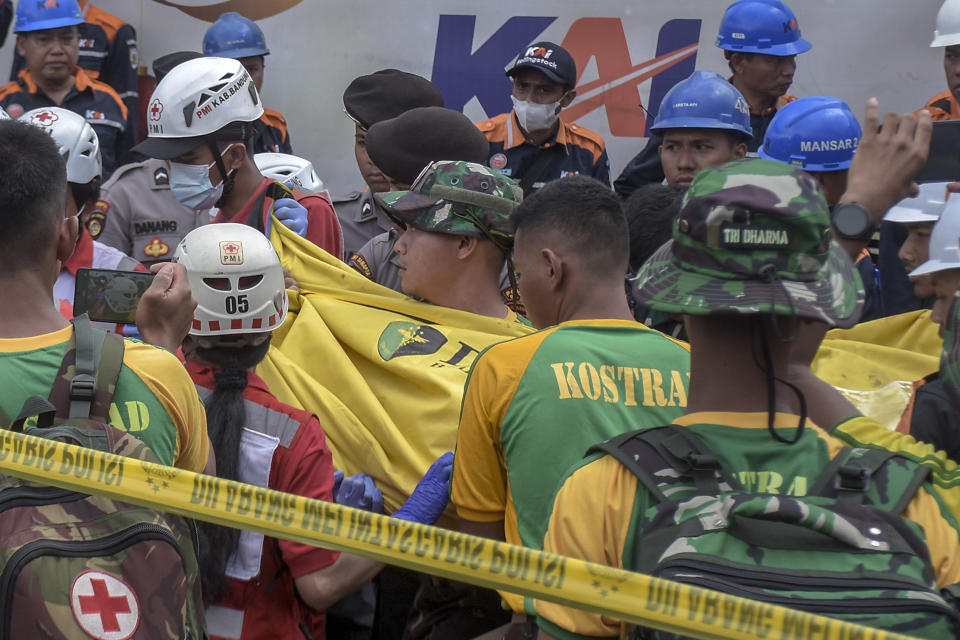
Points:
(109, 296)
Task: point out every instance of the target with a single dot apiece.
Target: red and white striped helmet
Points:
(236, 277)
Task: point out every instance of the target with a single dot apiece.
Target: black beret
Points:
(386, 94)
(163, 64)
(401, 147)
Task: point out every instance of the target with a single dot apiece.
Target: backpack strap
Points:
(878, 477)
(274, 191)
(662, 455)
(89, 372)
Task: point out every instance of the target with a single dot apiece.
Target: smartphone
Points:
(943, 163)
(109, 296)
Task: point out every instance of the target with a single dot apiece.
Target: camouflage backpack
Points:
(80, 566)
(843, 550)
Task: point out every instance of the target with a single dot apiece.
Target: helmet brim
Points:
(167, 148)
(933, 266)
(55, 23)
(785, 49)
(236, 54)
(700, 123)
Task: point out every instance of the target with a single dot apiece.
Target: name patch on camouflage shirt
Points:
(745, 236)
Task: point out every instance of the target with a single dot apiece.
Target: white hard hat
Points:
(947, 32)
(195, 99)
(944, 242)
(926, 206)
(236, 277)
(291, 170)
(77, 140)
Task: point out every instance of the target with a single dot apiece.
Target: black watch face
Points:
(851, 221)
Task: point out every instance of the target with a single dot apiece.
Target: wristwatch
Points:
(852, 222)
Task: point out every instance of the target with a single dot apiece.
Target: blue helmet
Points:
(816, 133)
(705, 100)
(234, 36)
(37, 15)
(761, 26)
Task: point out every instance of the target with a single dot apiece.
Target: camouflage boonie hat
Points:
(753, 237)
(457, 197)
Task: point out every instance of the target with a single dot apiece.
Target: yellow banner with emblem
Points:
(383, 372)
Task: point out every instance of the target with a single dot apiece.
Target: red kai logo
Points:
(104, 606)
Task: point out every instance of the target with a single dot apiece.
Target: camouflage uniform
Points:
(752, 237)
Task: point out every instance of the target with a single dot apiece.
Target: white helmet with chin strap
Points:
(236, 277)
(77, 140)
(291, 170)
(194, 102)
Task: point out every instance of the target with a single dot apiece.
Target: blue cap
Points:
(705, 100)
(234, 36)
(761, 26)
(816, 133)
(38, 15)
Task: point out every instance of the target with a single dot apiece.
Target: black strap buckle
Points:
(852, 478)
(83, 388)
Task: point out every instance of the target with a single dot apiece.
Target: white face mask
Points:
(533, 116)
(191, 184)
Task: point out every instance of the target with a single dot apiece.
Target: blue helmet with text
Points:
(705, 100)
(815, 133)
(37, 16)
(761, 26)
(234, 36)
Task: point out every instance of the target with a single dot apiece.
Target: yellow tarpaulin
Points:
(383, 372)
(874, 364)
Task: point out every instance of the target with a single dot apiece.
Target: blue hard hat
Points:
(761, 26)
(705, 100)
(37, 15)
(234, 36)
(816, 133)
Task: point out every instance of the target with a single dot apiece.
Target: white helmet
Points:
(926, 206)
(120, 295)
(947, 32)
(944, 241)
(195, 99)
(291, 170)
(77, 140)
(236, 278)
(4, 115)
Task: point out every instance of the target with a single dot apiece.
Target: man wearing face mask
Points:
(201, 117)
(531, 143)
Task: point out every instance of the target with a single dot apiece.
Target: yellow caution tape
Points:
(623, 595)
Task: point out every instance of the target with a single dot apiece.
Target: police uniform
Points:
(272, 135)
(360, 220)
(97, 102)
(138, 214)
(378, 261)
(108, 53)
(576, 150)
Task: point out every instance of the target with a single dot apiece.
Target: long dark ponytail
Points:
(226, 417)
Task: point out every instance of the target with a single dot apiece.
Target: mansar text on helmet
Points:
(236, 277)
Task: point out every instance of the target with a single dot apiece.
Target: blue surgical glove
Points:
(360, 492)
(431, 494)
(291, 214)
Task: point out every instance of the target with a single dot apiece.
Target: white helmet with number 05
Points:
(236, 277)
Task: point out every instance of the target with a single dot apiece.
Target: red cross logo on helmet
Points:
(156, 108)
(44, 118)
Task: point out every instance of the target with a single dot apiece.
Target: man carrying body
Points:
(237, 37)
(153, 385)
(742, 295)
(760, 41)
(593, 372)
(368, 100)
(48, 38)
(531, 143)
(202, 116)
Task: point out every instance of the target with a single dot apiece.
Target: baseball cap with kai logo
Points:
(550, 59)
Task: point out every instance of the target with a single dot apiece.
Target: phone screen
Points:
(109, 296)
(943, 163)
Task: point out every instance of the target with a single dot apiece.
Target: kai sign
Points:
(464, 73)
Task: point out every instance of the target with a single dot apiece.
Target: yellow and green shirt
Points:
(535, 404)
(155, 400)
(599, 505)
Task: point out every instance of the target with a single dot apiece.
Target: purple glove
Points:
(359, 492)
(291, 214)
(431, 495)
